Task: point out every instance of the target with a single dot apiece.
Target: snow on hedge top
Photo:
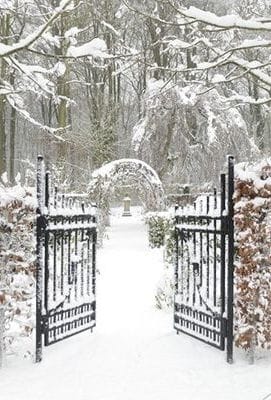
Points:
(258, 173)
(17, 193)
(95, 48)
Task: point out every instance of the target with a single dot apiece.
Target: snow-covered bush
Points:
(17, 267)
(161, 233)
(158, 225)
(253, 263)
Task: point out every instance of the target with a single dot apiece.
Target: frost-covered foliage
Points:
(157, 228)
(161, 233)
(185, 137)
(253, 264)
(17, 267)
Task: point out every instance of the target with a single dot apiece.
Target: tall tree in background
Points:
(4, 35)
(98, 72)
(15, 39)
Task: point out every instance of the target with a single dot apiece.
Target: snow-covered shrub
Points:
(17, 267)
(158, 225)
(253, 264)
(161, 233)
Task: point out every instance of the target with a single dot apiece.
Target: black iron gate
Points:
(66, 264)
(203, 305)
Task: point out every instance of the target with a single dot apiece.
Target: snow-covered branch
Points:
(8, 50)
(225, 22)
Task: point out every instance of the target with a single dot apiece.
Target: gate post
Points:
(39, 261)
(230, 260)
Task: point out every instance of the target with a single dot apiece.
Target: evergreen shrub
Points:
(161, 234)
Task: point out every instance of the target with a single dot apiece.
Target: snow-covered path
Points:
(134, 353)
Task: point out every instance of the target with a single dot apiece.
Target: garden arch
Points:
(124, 171)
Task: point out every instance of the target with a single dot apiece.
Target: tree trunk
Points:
(4, 32)
(3, 165)
(12, 138)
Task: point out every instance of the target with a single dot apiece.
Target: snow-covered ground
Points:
(134, 353)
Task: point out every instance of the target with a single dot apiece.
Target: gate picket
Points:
(204, 267)
(66, 265)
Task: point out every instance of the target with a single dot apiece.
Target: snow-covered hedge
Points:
(17, 267)
(161, 233)
(253, 263)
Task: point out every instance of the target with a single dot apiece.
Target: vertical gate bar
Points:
(208, 257)
(46, 279)
(215, 248)
(215, 262)
(208, 246)
(47, 189)
(176, 271)
(201, 263)
(88, 262)
(55, 197)
(54, 265)
(188, 266)
(223, 242)
(94, 243)
(62, 264)
(82, 262)
(46, 253)
(215, 198)
(76, 262)
(195, 260)
(39, 261)
(230, 260)
(181, 264)
(69, 260)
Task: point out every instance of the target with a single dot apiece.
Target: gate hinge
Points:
(44, 323)
(42, 221)
(224, 330)
(225, 224)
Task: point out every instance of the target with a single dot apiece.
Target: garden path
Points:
(134, 353)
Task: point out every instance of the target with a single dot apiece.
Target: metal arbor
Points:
(66, 265)
(127, 171)
(203, 301)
